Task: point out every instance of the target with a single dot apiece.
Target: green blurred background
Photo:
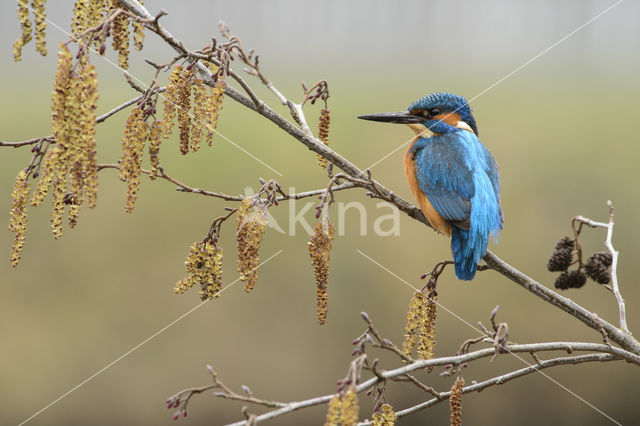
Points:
(562, 130)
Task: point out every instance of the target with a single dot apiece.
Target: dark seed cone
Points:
(565, 242)
(603, 257)
(560, 260)
(570, 279)
(597, 267)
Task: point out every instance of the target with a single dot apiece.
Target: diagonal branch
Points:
(625, 340)
(620, 337)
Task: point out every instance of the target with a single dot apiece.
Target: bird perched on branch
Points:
(452, 176)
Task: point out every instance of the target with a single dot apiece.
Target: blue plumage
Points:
(456, 173)
(460, 179)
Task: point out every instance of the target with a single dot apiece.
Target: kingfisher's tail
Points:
(467, 248)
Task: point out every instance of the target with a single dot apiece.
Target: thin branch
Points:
(183, 187)
(28, 142)
(130, 102)
(608, 353)
(499, 380)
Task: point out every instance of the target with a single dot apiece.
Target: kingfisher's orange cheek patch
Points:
(451, 118)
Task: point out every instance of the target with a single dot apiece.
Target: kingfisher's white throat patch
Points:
(421, 130)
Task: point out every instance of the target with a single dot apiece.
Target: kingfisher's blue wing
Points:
(492, 172)
(445, 176)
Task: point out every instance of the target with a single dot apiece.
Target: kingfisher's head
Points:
(432, 114)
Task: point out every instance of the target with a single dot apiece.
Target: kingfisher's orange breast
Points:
(437, 222)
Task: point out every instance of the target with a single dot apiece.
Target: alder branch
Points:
(504, 378)
(605, 353)
(183, 187)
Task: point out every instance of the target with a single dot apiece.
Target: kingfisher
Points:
(452, 176)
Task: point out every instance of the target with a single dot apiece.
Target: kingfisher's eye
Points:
(434, 112)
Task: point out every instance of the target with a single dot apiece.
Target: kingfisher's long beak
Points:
(400, 117)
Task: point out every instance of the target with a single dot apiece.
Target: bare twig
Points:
(33, 141)
(181, 399)
(615, 288)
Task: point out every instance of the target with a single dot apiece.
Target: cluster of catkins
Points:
(206, 107)
(71, 163)
(204, 267)
(136, 134)
(598, 266)
(420, 331)
(40, 20)
(88, 14)
(251, 225)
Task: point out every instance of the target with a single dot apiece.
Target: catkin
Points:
(46, 176)
(184, 105)
(26, 28)
(136, 133)
(343, 409)
(214, 106)
(120, 36)
(170, 101)
(323, 134)
(138, 32)
(455, 402)
(154, 147)
(18, 216)
(320, 251)
(427, 334)
(350, 409)
(39, 10)
(251, 226)
(81, 17)
(199, 114)
(385, 417)
(334, 411)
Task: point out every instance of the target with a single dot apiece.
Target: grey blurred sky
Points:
(485, 34)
